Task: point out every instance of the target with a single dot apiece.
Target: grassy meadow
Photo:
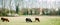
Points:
(44, 20)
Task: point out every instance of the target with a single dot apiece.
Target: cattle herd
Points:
(27, 19)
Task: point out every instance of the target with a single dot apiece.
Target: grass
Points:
(43, 21)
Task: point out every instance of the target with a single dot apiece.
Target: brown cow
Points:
(37, 19)
(4, 19)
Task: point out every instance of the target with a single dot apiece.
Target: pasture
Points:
(44, 20)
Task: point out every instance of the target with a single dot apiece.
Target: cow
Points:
(4, 19)
(28, 20)
(37, 19)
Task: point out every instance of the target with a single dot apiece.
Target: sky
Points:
(32, 3)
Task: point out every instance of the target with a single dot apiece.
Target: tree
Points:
(4, 12)
(17, 9)
(31, 12)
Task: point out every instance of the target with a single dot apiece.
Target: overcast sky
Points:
(32, 3)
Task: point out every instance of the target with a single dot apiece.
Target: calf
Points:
(5, 19)
(37, 19)
(28, 20)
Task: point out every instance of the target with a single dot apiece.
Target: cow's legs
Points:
(38, 20)
(3, 20)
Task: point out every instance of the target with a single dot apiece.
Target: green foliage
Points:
(17, 9)
(4, 12)
(25, 13)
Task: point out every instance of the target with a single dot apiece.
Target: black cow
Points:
(5, 19)
(28, 20)
(37, 19)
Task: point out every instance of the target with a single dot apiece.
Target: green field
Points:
(44, 20)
